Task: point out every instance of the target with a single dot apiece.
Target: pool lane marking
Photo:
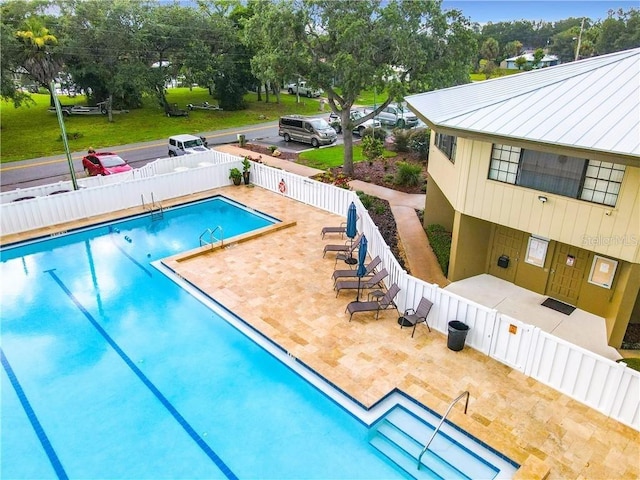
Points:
(33, 418)
(122, 250)
(172, 410)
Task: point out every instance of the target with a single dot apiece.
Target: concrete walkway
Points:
(421, 261)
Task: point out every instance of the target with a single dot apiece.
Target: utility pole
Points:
(579, 41)
(56, 102)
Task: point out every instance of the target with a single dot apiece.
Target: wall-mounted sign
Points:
(570, 260)
(602, 271)
(537, 251)
(513, 329)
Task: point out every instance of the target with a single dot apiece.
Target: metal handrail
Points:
(435, 432)
(212, 236)
(154, 209)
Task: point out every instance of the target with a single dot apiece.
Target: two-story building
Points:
(537, 176)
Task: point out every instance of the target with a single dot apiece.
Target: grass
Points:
(325, 158)
(31, 132)
(633, 363)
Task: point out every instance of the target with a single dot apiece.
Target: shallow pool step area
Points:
(400, 435)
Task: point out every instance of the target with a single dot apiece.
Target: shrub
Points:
(378, 133)
(408, 174)
(388, 178)
(272, 148)
(372, 148)
(401, 140)
(419, 142)
(440, 241)
(372, 203)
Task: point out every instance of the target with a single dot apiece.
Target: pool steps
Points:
(400, 436)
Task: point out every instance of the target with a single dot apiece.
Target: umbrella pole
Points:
(358, 294)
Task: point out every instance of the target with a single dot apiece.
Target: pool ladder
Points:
(435, 432)
(212, 236)
(155, 209)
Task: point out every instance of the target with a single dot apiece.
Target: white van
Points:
(185, 144)
(315, 131)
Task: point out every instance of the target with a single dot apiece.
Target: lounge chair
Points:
(419, 315)
(364, 284)
(385, 302)
(370, 269)
(342, 229)
(347, 247)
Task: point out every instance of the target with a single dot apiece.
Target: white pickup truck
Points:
(303, 90)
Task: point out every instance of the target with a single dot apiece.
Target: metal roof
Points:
(590, 104)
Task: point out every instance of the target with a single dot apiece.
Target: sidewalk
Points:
(421, 261)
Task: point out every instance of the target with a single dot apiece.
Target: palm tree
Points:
(37, 56)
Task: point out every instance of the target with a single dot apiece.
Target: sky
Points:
(483, 11)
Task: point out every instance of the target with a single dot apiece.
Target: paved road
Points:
(41, 171)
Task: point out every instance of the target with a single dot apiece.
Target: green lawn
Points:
(325, 158)
(31, 132)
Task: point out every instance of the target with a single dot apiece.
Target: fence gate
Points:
(512, 341)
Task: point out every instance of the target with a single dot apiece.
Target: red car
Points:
(104, 163)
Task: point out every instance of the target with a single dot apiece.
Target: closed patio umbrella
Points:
(352, 230)
(362, 258)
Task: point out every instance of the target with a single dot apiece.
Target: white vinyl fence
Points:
(607, 386)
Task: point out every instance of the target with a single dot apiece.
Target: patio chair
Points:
(364, 284)
(370, 270)
(342, 229)
(348, 247)
(419, 315)
(385, 302)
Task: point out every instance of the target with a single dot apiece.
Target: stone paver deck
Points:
(282, 286)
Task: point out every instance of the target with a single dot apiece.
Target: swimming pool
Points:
(112, 370)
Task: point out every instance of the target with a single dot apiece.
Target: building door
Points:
(507, 244)
(567, 271)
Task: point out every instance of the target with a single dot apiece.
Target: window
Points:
(602, 182)
(447, 145)
(590, 180)
(504, 163)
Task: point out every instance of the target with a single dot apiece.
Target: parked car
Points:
(104, 163)
(185, 144)
(304, 90)
(336, 122)
(395, 115)
(315, 131)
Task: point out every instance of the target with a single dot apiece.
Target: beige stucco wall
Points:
(470, 243)
(610, 231)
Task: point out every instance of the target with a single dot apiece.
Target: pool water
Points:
(110, 370)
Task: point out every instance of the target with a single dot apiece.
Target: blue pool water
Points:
(112, 370)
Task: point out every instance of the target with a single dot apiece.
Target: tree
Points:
(489, 51)
(38, 56)
(521, 62)
(538, 55)
(620, 31)
(12, 16)
(346, 47)
(512, 48)
(102, 42)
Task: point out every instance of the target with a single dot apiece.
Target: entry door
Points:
(567, 271)
(506, 241)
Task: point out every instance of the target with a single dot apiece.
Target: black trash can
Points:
(457, 335)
